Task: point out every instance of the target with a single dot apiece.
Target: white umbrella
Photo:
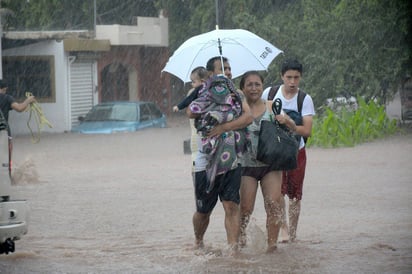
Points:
(244, 49)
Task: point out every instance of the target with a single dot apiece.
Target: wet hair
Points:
(291, 64)
(201, 73)
(246, 75)
(210, 66)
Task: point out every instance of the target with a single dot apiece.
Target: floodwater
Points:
(123, 203)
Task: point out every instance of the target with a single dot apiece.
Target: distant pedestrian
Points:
(8, 103)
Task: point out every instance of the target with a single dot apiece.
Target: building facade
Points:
(71, 71)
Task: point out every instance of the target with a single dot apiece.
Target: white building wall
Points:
(149, 31)
(56, 112)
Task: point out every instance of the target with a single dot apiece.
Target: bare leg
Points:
(284, 231)
(271, 190)
(200, 224)
(232, 223)
(248, 189)
(273, 223)
(294, 212)
(244, 221)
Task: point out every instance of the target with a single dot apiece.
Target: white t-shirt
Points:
(292, 104)
(201, 158)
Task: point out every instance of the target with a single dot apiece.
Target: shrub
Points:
(346, 128)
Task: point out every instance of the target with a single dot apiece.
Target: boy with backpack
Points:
(298, 106)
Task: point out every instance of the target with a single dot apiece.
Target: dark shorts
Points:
(292, 180)
(256, 172)
(226, 189)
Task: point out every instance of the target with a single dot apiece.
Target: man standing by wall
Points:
(7, 102)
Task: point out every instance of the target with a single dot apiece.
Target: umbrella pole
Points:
(220, 47)
(221, 55)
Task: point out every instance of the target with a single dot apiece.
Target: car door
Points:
(145, 117)
(158, 118)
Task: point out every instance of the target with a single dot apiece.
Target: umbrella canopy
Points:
(244, 49)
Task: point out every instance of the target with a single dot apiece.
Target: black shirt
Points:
(5, 104)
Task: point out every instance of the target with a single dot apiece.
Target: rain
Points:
(123, 202)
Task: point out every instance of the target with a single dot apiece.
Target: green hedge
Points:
(346, 128)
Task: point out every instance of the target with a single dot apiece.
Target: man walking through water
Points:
(294, 100)
(226, 186)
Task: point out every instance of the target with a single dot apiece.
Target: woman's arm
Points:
(243, 121)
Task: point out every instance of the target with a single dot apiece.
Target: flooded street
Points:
(123, 203)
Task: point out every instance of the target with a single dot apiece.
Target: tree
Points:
(48, 15)
(348, 47)
(355, 47)
(73, 14)
(358, 47)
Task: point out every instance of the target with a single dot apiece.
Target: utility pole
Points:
(1, 38)
(94, 18)
(217, 12)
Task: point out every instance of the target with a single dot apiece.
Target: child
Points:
(198, 76)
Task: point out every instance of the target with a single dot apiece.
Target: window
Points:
(124, 112)
(144, 113)
(156, 113)
(99, 113)
(33, 74)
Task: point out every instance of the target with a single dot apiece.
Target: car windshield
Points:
(113, 112)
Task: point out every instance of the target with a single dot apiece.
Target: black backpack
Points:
(301, 96)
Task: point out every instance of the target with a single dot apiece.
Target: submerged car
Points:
(349, 103)
(14, 214)
(122, 116)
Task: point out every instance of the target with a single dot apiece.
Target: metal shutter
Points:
(81, 89)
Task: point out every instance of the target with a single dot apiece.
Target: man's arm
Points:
(306, 129)
(243, 121)
(22, 106)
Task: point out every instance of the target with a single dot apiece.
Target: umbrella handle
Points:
(277, 106)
